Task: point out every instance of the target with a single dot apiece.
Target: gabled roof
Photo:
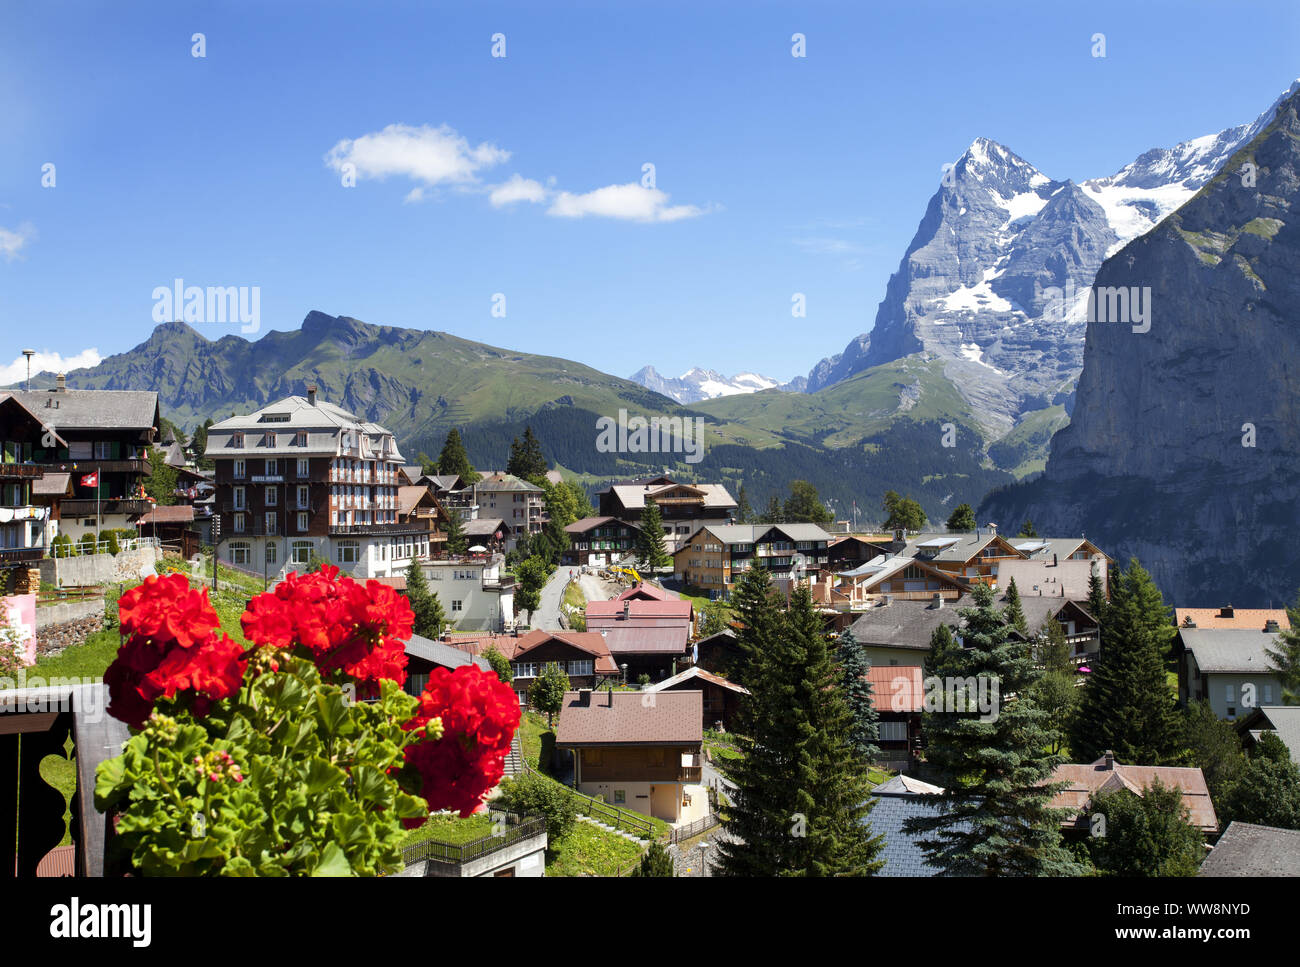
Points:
(647, 592)
(955, 548)
(1038, 578)
(903, 624)
(22, 412)
(901, 850)
(482, 526)
(902, 785)
(1282, 720)
(639, 609)
(696, 674)
(1230, 652)
(754, 533)
(589, 523)
(1085, 781)
(169, 514)
(590, 642)
(1241, 619)
(500, 482)
(52, 484)
(443, 654)
(625, 718)
(632, 496)
(1250, 850)
(92, 409)
(409, 497)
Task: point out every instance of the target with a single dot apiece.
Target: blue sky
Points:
(773, 174)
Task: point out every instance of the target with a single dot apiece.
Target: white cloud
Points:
(13, 240)
(16, 371)
(631, 201)
(830, 246)
(428, 155)
(517, 189)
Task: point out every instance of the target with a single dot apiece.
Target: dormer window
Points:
(237, 439)
(268, 438)
(301, 439)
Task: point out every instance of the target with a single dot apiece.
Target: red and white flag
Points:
(90, 479)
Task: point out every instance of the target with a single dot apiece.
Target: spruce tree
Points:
(802, 798)
(744, 512)
(1015, 611)
(989, 747)
(1285, 656)
(650, 538)
(1096, 596)
(854, 665)
(1127, 705)
(774, 514)
(527, 462)
(429, 617)
(454, 459)
(457, 542)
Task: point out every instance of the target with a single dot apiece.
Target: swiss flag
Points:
(90, 479)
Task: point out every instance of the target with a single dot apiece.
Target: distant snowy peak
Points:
(703, 384)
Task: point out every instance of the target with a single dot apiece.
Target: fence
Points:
(458, 853)
(78, 549)
(691, 830)
(599, 809)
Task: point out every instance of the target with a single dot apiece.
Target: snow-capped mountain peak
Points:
(702, 384)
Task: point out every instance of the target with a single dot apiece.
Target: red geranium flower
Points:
(479, 715)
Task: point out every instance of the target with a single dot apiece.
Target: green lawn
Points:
(450, 828)
(590, 851)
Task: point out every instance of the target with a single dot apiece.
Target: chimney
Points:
(311, 394)
(993, 529)
(609, 699)
(1225, 612)
(60, 383)
(938, 600)
(584, 696)
(889, 599)
(1271, 627)
(1110, 761)
(627, 609)
(1055, 563)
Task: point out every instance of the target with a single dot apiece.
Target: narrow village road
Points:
(547, 616)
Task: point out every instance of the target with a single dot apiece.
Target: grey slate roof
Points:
(903, 624)
(749, 533)
(442, 654)
(1250, 850)
(1220, 651)
(1285, 722)
(901, 852)
(92, 409)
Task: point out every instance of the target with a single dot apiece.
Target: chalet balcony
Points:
(86, 465)
(21, 471)
(44, 719)
(362, 530)
(80, 507)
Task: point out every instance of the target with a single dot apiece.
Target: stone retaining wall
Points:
(92, 569)
(54, 638)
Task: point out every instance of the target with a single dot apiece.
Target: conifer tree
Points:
(854, 664)
(655, 862)
(1127, 705)
(987, 737)
(1285, 656)
(774, 514)
(744, 512)
(429, 617)
(1015, 611)
(650, 538)
(454, 459)
(527, 462)
(802, 799)
(457, 542)
(1096, 595)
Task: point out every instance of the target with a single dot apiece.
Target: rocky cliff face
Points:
(1184, 445)
(986, 284)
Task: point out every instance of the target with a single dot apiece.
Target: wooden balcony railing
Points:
(35, 723)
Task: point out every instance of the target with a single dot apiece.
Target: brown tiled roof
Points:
(631, 718)
(593, 643)
(623, 640)
(169, 514)
(397, 583)
(1085, 781)
(1243, 619)
(688, 677)
(680, 609)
